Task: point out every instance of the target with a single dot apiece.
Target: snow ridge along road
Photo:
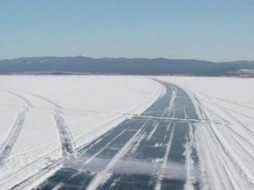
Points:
(143, 152)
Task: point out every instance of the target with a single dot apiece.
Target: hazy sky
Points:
(202, 29)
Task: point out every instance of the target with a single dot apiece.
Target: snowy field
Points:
(225, 141)
(45, 117)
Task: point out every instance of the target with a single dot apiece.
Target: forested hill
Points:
(123, 66)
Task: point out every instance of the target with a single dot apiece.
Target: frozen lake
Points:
(115, 132)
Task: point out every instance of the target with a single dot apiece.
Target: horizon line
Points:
(105, 57)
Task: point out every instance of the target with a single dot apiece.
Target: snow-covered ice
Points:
(44, 118)
(76, 109)
(224, 141)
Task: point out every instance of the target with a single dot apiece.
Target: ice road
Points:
(153, 150)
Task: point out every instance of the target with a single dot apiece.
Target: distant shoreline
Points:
(124, 66)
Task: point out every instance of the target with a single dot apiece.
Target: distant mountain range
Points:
(123, 66)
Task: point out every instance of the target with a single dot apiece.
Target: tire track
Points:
(236, 130)
(12, 137)
(28, 103)
(236, 171)
(14, 133)
(68, 147)
(238, 136)
(67, 142)
(215, 168)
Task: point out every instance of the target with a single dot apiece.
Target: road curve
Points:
(140, 153)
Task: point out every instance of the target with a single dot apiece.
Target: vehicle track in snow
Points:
(233, 171)
(238, 136)
(9, 142)
(67, 142)
(12, 137)
(66, 139)
(27, 102)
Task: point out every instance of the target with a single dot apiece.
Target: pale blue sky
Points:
(217, 30)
